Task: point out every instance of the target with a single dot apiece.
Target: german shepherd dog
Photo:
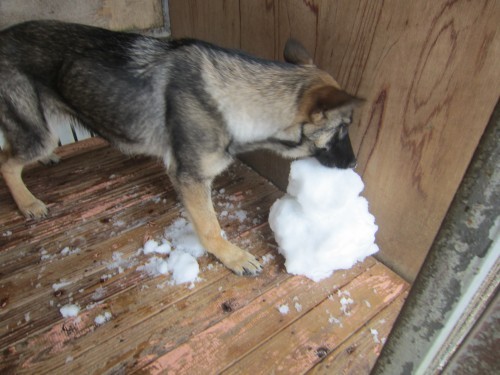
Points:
(191, 104)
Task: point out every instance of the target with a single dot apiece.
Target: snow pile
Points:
(184, 267)
(322, 224)
(69, 310)
(182, 247)
(183, 238)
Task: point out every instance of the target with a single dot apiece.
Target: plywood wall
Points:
(112, 14)
(428, 69)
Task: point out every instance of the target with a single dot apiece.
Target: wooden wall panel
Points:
(429, 72)
(216, 21)
(113, 14)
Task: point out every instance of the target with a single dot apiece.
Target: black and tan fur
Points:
(191, 104)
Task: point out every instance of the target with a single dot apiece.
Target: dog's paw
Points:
(243, 263)
(34, 210)
(52, 159)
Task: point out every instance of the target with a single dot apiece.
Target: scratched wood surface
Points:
(103, 204)
(429, 73)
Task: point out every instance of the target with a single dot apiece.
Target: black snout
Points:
(338, 153)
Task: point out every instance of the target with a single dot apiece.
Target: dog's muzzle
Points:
(338, 153)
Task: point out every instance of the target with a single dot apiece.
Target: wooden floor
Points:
(103, 204)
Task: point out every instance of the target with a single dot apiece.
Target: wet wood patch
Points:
(103, 207)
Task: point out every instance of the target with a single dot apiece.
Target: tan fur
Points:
(197, 201)
(319, 99)
(27, 203)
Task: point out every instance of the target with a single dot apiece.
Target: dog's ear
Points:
(320, 99)
(295, 53)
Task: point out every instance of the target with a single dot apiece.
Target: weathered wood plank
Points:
(302, 344)
(155, 314)
(358, 354)
(220, 345)
(30, 272)
(151, 321)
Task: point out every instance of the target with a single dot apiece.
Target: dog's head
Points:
(324, 115)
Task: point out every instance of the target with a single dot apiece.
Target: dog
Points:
(193, 105)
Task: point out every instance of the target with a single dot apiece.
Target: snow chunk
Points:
(68, 251)
(68, 311)
(152, 246)
(182, 237)
(103, 318)
(283, 309)
(60, 285)
(154, 267)
(184, 267)
(322, 224)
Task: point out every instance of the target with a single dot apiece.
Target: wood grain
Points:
(104, 204)
(306, 341)
(428, 71)
(359, 354)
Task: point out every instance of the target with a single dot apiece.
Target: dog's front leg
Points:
(198, 203)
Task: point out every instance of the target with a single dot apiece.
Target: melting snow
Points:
(283, 309)
(68, 311)
(322, 224)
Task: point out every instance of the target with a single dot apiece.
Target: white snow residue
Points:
(154, 267)
(119, 223)
(44, 255)
(120, 263)
(267, 258)
(374, 333)
(60, 285)
(69, 359)
(27, 317)
(184, 267)
(69, 251)
(151, 246)
(298, 307)
(68, 311)
(180, 248)
(7, 233)
(103, 318)
(241, 215)
(345, 302)
(333, 320)
(182, 237)
(164, 248)
(322, 224)
(283, 309)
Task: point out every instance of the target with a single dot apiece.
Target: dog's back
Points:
(39, 48)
